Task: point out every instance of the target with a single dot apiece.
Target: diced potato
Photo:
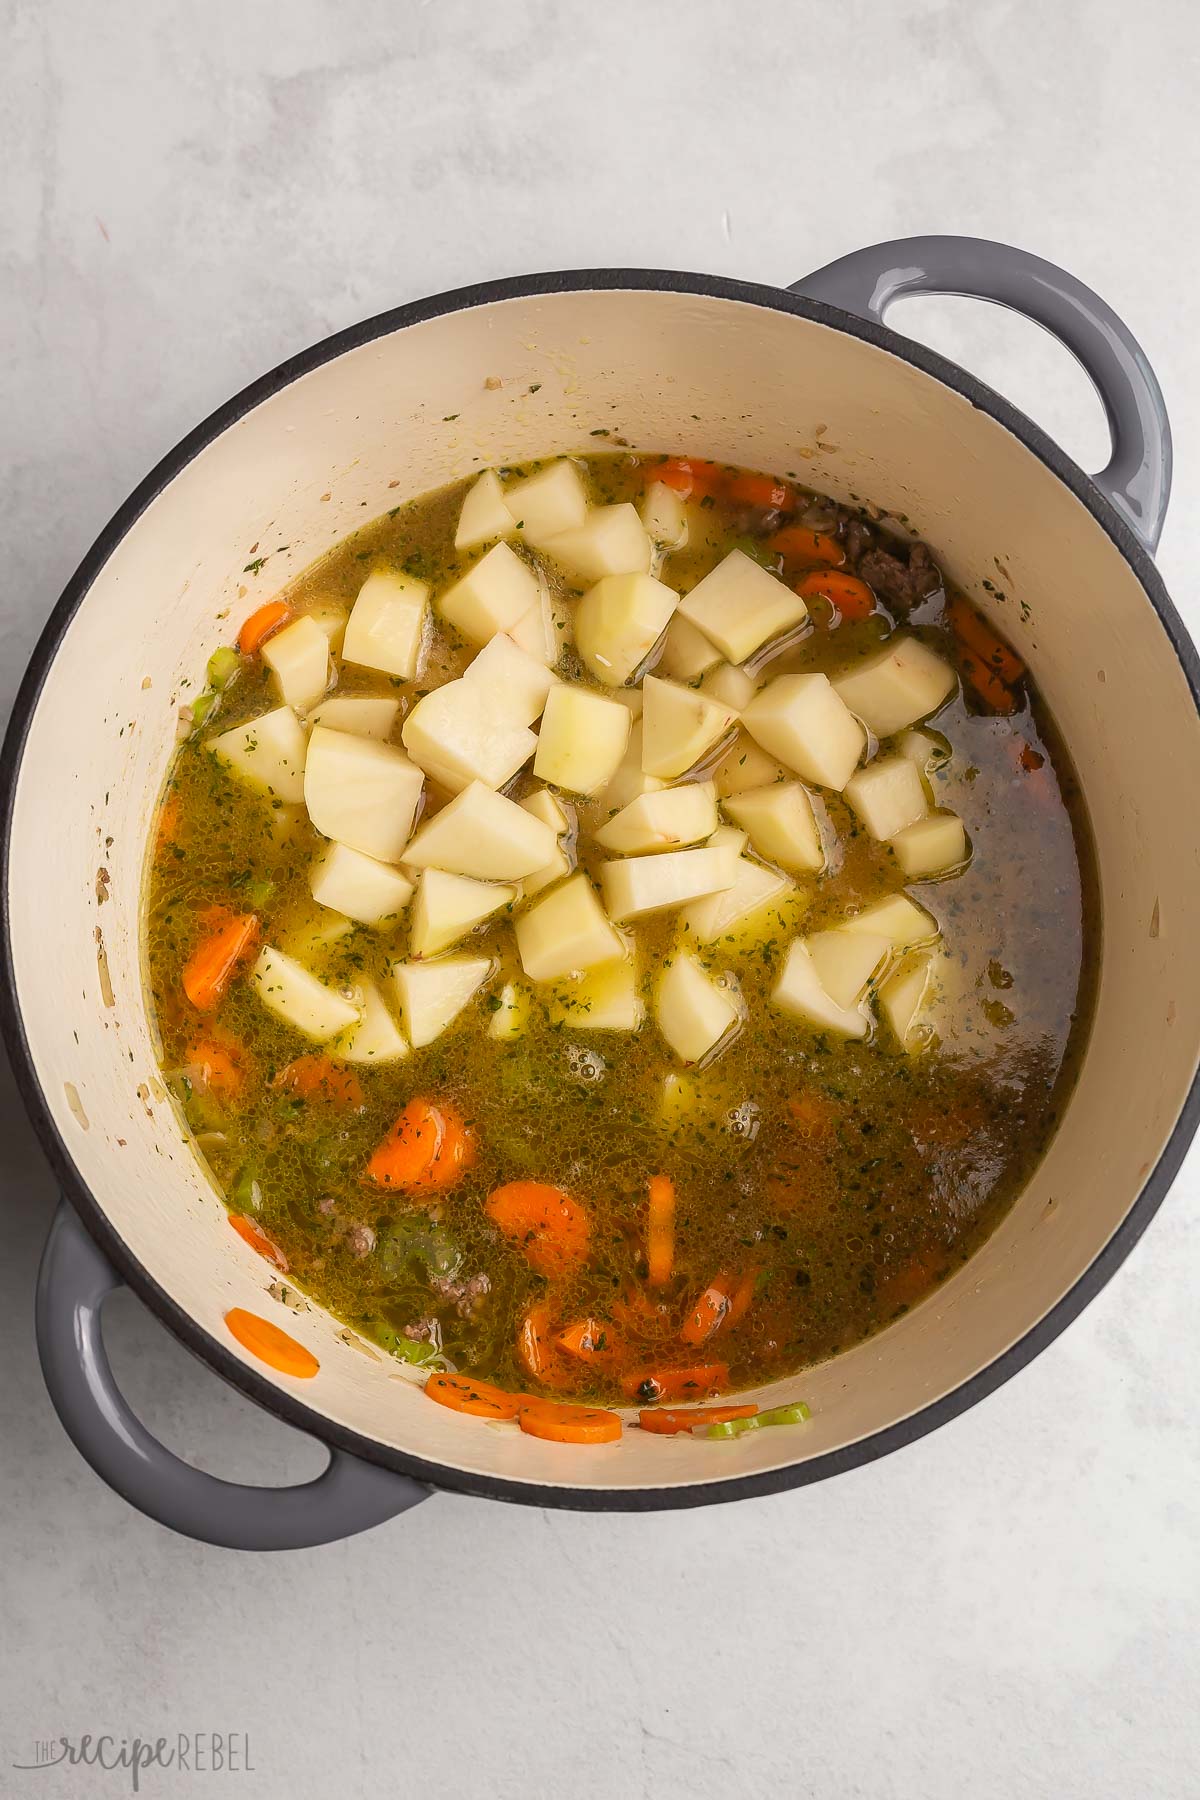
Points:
(729, 836)
(781, 824)
(559, 865)
(729, 683)
(387, 624)
(686, 652)
(298, 658)
(662, 821)
(463, 732)
(887, 795)
(650, 884)
(543, 630)
(605, 999)
(619, 621)
(692, 1011)
(566, 933)
(549, 809)
(928, 749)
(800, 993)
(492, 596)
(267, 753)
(745, 767)
(331, 616)
(679, 726)
(485, 835)
(664, 516)
(361, 792)
(932, 846)
(517, 682)
(582, 740)
(680, 1100)
(802, 721)
(287, 989)
(376, 1038)
(485, 513)
(448, 906)
(360, 715)
(740, 606)
(898, 919)
(739, 907)
(549, 502)
(370, 892)
(901, 683)
(611, 541)
(630, 697)
(629, 780)
(846, 961)
(432, 994)
(902, 997)
(309, 937)
(510, 1019)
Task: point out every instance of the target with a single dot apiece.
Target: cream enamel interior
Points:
(410, 411)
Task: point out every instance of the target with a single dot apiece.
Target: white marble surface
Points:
(1006, 1610)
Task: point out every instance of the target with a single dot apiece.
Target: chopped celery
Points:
(202, 705)
(731, 1428)
(246, 1194)
(259, 893)
(795, 1414)
(223, 665)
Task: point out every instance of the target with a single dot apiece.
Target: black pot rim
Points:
(286, 1406)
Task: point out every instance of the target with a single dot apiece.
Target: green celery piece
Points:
(202, 705)
(795, 1414)
(223, 665)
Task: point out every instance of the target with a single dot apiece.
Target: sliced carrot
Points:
(561, 1423)
(688, 475)
(669, 1419)
(1029, 759)
(710, 1311)
(976, 635)
(220, 1062)
(533, 1349)
(640, 1315)
(429, 1146)
(987, 684)
(462, 1393)
(742, 1298)
(585, 1338)
(167, 831)
(261, 624)
(758, 490)
(660, 1230)
(543, 1221)
(215, 961)
(254, 1235)
(277, 1348)
(852, 597)
(318, 1077)
(692, 1383)
(799, 543)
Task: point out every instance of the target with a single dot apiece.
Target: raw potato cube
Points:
(902, 997)
(619, 621)
(664, 516)
(549, 502)
(549, 809)
(800, 993)
(686, 652)
(492, 596)
(678, 726)
(745, 767)
(693, 1012)
(887, 795)
(448, 906)
(651, 884)
(901, 683)
(898, 919)
(511, 1016)
(629, 780)
(361, 792)
(517, 682)
(543, 630)
(802, 721)
(362, 716)
(611, 541)
(331, 616)
(566, 932)
(928, 749)
(781, 824)
(729, 836)
(485, 835)
(432, 994)
(662, 821)
(386, 628)
(376, 1038)
(932, 846)
(729, 683)
(582, 740)
(267, 753)
(463, 732)
(484, 514)
(559, 865)
(740, 605)
(606, 999)
(730, 912)
(846, 961)
(365, 890)
(298, 658)
(287, 989)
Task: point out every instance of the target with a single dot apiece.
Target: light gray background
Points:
(193, 192)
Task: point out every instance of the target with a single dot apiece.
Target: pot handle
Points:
(350, 1495)
(1137, 478)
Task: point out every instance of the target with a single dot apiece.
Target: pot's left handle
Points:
(349, 1496)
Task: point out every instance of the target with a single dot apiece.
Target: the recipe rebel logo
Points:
(185, 1753)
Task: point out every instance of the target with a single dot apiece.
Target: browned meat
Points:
(361, 1240)
(421, 1331)
(859, 538)
(904, 583)
(465, 1293)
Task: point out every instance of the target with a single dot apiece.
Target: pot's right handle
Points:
(1137, 478)
(349, 1496)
